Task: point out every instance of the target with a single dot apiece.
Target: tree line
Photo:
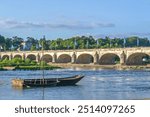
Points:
(78, 42)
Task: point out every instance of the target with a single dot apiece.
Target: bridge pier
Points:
(54, 58)
(23, 56)
(95, 58)
(10, 56)
(38, 58)
(123, 58)
(73, 58)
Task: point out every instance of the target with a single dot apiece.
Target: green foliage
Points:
(33, 48)
(8, 43)
(82, 42)
(17, 62)
(2, 42)
(17, 42)
(27, 61)
(27, 64)
(43, 63)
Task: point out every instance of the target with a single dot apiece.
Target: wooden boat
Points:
(46, 82)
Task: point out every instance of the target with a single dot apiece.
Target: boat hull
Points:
(47, 82)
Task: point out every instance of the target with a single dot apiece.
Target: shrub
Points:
(43, 63)
(27, 61)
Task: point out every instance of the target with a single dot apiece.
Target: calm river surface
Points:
(97, 84)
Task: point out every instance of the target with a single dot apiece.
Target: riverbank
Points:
(52, 66)
(29, 68)
(96, 66)
(48, 67)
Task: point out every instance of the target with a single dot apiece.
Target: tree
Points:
(59, 43)
(17, 42)
(2, 42)
(78, 42)
(33, 48)
(8, 43)
(144, 42)
(31, 42)
(44, 44)
(132, 41)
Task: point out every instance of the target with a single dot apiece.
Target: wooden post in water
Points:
(43, 64)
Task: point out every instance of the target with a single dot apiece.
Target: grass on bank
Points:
(35, 68)
(26, 64)
(2, 69)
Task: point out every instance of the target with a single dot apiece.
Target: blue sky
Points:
(67, 18)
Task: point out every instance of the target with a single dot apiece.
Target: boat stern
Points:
(17, 82)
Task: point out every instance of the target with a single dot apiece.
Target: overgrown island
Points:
(27, 64)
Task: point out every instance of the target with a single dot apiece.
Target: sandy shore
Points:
(92, 66)
(9, 68)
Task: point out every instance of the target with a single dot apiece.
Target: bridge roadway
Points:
(125, 56)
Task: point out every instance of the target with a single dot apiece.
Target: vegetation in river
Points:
(17, 62)
(26, 64)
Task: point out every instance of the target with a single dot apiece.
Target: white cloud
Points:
(123, 35)
(9, 24)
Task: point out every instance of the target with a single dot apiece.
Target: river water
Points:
(97, 84)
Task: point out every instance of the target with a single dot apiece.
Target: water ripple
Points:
(97, 84)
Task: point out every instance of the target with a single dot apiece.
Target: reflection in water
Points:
(17, 88)
(142, 88)
(1, 82)
(97, 84)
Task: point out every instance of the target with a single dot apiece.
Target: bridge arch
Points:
(31, 57)
(109, 59)
(137, 59)
(64, 58)
(5, 57)
(85, 59)
(18, 56)
(47, 58)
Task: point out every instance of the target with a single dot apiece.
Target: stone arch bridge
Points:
(124, 56)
